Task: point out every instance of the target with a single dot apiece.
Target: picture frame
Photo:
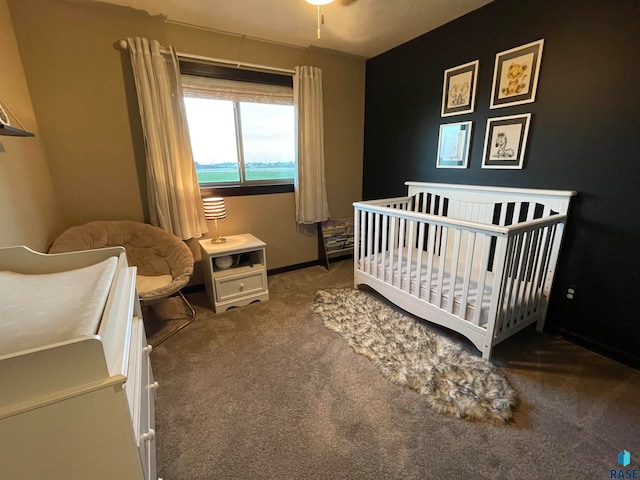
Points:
(459, 89)
(453, 145)
(515, 75)
(505, 141)
(4, 117)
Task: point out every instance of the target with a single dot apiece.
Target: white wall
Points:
(85, 99)
(29, 211)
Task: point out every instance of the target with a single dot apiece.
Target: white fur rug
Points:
(409, 353)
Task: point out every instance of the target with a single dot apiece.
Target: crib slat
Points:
(464, 300)
(401, 259)
(484, 259)
(505, 292)
(430, 249)
(385, 236)
(534, 272)
(537, 281)
(419, 260)
(509, 282)
(522, 278)
(516, 213)
(503, 214)
(392, 246)
(531, 212)
(503, 248)
(547, 256)
(441, 265)
(409, 255)
(376, 245)
(369, 241)
(509, 263)
(513, 279)
(356, 239)
(361, 240)
(453, 276)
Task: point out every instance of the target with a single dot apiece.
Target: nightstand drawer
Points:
(231, 287)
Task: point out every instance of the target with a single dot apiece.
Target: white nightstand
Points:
(235, 272)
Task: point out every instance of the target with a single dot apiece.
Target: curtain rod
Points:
(236, 64)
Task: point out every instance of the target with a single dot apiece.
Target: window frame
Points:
(243, 187)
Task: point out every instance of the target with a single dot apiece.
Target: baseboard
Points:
(605, 350)
(291, 268)
(198, 287)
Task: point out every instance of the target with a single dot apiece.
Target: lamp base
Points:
(218, 240)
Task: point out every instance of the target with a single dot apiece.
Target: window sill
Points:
(240, 190)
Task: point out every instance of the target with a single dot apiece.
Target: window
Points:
(242, 132)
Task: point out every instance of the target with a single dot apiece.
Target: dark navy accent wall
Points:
(584, 136)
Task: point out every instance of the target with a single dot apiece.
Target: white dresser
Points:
(82, 406)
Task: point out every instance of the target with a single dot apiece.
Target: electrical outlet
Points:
(571, 292)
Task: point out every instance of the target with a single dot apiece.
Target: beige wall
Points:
(84, 96)
(29, 212)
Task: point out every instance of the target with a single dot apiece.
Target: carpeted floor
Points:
(267, 392)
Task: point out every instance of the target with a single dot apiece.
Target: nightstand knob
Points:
(241, 285)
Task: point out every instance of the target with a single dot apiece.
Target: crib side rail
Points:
(529, 269)
(491, 277)
(380, 208)
(443, 261)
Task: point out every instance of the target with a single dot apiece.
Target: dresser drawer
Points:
(236, 286)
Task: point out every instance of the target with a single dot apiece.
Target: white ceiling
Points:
(359, 27)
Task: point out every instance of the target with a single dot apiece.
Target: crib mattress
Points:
(428, 289)
(42, 309)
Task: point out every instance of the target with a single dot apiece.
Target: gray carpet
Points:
(267, 392)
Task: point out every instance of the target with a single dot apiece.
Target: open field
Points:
(231, 174)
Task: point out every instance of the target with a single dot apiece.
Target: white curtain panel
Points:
(310, 184)
(173, 192)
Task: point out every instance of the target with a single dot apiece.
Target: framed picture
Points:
(505, 141)
(4, 118)
(459, 89)
(515, 75)
(453, 145)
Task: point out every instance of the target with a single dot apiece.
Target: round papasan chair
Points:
(164, 262)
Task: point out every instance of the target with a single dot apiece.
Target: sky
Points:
(268, 131)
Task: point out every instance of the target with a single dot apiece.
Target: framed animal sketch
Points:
(505, 141)
(453, 145)
(515, 75)
(459, 89)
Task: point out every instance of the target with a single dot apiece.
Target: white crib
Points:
(478, 260)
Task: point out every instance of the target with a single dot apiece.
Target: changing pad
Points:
(41, 309)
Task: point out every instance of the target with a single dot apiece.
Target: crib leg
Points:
(486, 352)
(540, 324)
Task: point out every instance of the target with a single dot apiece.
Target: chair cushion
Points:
(154, 251)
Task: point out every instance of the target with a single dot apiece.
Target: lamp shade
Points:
(319, 2)
(214, 208)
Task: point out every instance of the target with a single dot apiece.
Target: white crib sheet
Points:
(41, 309)
(446, 279)
(429, 290)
